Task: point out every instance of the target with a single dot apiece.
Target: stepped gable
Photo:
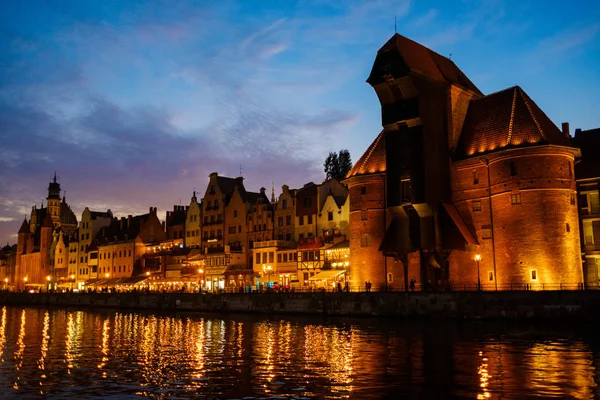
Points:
(372, 161)
(420, 60)
(504, 120)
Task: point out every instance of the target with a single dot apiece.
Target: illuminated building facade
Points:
(455, 173)
(89, 226)
(122, 244)
(284, 214)
(193, 224)
(587, 173)
(35, 239)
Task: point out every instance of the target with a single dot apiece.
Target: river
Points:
(61, 353)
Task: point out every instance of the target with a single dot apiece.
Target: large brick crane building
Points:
(455, 173)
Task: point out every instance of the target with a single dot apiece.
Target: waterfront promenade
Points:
(573, 305)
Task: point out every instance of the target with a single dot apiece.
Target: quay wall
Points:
(571, 305)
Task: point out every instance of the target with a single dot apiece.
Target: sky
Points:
(135, 103)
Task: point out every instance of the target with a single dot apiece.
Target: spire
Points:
(54, 176)
(24, 227)
(272, 191)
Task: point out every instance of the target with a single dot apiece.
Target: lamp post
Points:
(478, 259)
(48, 278)
(201, 272)
(106, 275)
(267, 271)
(6, 284)
(72, 281)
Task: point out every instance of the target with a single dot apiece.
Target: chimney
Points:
(565, 129)
(150, 210)
(262, 190)
(577, 132)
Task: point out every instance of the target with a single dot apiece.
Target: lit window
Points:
(486, 232)
(476, 205)
(390, 278)
(515, 199)
(365, 241)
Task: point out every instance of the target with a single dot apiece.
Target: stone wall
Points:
(572, 305)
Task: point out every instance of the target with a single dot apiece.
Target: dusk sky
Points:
(135, 103)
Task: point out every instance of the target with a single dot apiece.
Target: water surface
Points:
(61, 353)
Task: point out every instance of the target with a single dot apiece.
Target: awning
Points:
(460, 224)
(325, 275)
(34, 284)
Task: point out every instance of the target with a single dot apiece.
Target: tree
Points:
(337, 165)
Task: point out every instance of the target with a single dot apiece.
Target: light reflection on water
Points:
(61, 353)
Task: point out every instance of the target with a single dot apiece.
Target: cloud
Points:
(6, 219)
(425, 19)
(569, 40)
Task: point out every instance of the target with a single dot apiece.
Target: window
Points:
(515, 199)
(405, 184)
(232, 229)
(534, 275)
(486, 232)
(257, 258)
(365, 240)
(188, 233)
(212, 219)
(309, 219)
(129, 253)
(216, 204)
(329, 215)
(476, 205)
(301, 220)
(307, 202)
(490, 275)
(573, 202)
(81, 260)
(288, 237)
(568, 227)
(363, 190)
(234, 213)
(513, 169)
(364, 215)
(284, 204)
(288, 220)
(475, 177)
(239, 229)
(285, 257)
(271, 257)
(206, 220)
(279, 257)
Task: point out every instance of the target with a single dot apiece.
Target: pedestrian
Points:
(339, 286)
(366, 286)
(413, 281)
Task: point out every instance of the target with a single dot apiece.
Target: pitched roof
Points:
(47, 223)
(101, 214)
(503, 120)
(423, 61)
(372, 161)
(228, 184)
(24, 227)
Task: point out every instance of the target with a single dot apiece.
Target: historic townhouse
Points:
(587, 173)
(285, 214)
(90, 225)
(122, 244)
(307, 208)
(175, 226)
(193, 224)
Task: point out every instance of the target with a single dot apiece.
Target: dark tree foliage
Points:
(337, 165)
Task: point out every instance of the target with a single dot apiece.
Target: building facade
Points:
(457, 189)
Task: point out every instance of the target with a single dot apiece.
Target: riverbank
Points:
(573, 305)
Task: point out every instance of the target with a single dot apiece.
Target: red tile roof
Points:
(372, 161)
(506, 119)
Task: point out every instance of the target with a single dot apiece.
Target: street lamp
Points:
(267, 271)
(72, 281)
(478, 259)
(6, 283)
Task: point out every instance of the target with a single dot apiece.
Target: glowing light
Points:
(25, 279)
(106, 275)
(48, 278)
(148, 273)
(477, 257)
(72, 276)
(200, 271)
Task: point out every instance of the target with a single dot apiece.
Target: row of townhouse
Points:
(230, 238)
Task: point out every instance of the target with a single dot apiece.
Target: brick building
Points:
(454, 174)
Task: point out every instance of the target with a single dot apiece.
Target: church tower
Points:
(54, 202)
